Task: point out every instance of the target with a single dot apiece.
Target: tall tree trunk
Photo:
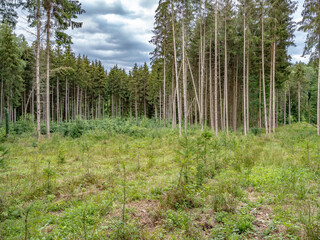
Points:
(318, 95)
(206, 100)
(226, 76)
(244, 73)
(220, 93)
(66, 101)
(285, 108)
(210, 86)
(270, 91)
(235, 97)
(273, 88)
(216, 66)
(164, 86)
(136, 104)
(299, 99)
(85, 104)
(58, 101)
(48, 74)
(78, 101)
(99, 107)
(176, 72)
(160, 102)
(38, 71)
(80, 104)
(247, 89)
(52, 105)
(263, 71)
(289, 107)
(260, 101)
(184, 75)
(32, 103)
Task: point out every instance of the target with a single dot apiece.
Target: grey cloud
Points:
(110, 42)
(148, 3)
(102, 8)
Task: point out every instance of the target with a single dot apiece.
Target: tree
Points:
(311, 23)
(12, 67)
(62, 12)
(8, 12)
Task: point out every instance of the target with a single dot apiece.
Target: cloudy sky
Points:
(118, 32)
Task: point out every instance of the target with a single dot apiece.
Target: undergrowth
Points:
(123, 179)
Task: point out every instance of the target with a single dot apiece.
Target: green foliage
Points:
(257, 179)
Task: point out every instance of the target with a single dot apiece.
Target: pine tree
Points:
(311, 23)
(12, 67)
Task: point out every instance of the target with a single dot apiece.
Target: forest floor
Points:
(155, 185)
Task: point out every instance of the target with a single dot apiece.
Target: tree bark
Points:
(66, 101)
(244, 73)
(289, 108)
(48, 74)
(318, 93)
(216, 67)
(263, 71)
(164, 86)
(260, 101)
(58, 102)
(247, 89)
(274, 89)
(235, 97)
(299, 99)
(226, 76)
(38, 72)
(285, 108)
(176, 72)
(184, 75)
(210, 87)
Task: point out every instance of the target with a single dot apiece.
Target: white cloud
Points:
(300, 37)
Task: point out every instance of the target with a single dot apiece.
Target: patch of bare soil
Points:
(263, 221)
(205, 221)
(145, 212)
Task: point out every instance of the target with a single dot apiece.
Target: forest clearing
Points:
(128, 180)
(159, 119)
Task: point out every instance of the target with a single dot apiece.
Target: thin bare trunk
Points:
(260, 101)
(48, 75)
(244, 73)
(285, 108)
(235, 97)
(216, 67)
(270, 91)
(38, 72)
(273, 88)
(289, 107)
(318, 98)
(184, 75)
(247, 89)
(164, 86)
(66, 101)
(226, 77)
(58, 101)
(263, 72)
(299, 99)
(210, 87)
(176, 72)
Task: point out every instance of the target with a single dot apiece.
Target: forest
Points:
(217, 137)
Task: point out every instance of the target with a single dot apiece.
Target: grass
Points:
(203, 187)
